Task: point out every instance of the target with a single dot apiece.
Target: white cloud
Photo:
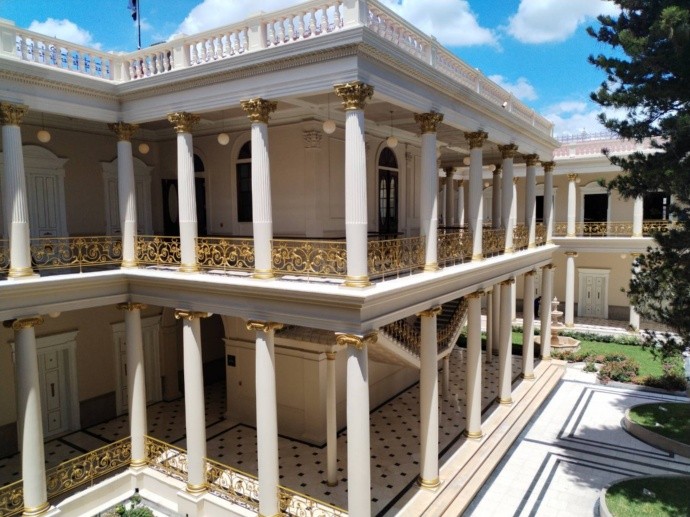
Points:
(452, 22)
(520, 89)
(574, 117)
(65, 30)
(542, 21)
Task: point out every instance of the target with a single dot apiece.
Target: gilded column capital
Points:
(508, 150)
(635, 255)
(25, 323)
(531, 272)
(515, 180)
(572, 176)
(312, 139)
(571, 253)
(460, 182)
(358, 342)
(354, 95)
(476, 294)
(183, 122)
(124, 131)
(12, 114)
(131, 306)
(476, 139)
(449, 172)
(259, 110)
(549, 266)
(548, 166)
(331, 356)
(263, 326)
(428, 313)
(428, 122)
(498, 170)
(184, 314)
(509, 281)
(531, 159)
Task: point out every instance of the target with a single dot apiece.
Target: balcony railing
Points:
(612, 229)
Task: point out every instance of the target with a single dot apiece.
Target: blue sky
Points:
(536, 49)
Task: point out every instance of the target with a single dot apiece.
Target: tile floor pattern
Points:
(572, 448)
(394, 439)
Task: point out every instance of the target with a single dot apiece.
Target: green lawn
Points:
(648, 365)
(667, 419)
(657, 497)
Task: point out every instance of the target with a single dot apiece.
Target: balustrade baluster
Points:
(300, 25)
(312, 22)
(281, 31)
(226, 45)
(336, 17)
(192, 54)
(291, 28)
(324, 19)
(25, 50)
(236, 43)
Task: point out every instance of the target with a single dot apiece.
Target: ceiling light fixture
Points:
(43, 135)
(223, 137)
(391, 141)
(329, 124)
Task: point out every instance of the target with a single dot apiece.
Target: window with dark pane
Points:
(244, 184)
(388, 192)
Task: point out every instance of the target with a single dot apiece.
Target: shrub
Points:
(590, 366)
(620, 370)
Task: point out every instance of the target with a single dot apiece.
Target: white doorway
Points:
(593, 300)
(152, 369)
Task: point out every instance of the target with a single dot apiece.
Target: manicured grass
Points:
(648, 365)
(671, 420)
(657, 497)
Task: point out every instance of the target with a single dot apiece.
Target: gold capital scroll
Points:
(354, 94)
(572, 176)
(12, 114)
(476, 294)
(184, 314)
(124, 131)
(508, 150)
(23, 323)
(476, 139)
(263, 326)
(259, 110)
(428, 122)
(358, 342)
(531, 273)
(509, 281)
(571, 253)
(131, 306)
(498, 170)
(515, 180)
(531, 159)
(183, 122)
(428, 313)
(548, 166)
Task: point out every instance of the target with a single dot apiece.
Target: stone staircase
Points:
(398, 342)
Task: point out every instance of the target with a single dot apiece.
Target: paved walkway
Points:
(572, 448)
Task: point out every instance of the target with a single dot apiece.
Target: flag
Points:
(132, 6)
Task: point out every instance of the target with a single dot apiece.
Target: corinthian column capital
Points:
(354, 95)
(12, 114)
(428, 122)
(508, 150)
(124, 131)
(259, 110)
(358, 342)
(183, 122)
(476, 139)
(548, 166)
(531, 159)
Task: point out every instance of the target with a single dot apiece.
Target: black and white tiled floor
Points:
(394, 439)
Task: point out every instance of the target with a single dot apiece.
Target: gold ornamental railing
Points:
(156, 250)
(226, 253)
(446, 333)
(493, 241)
(395, 256)
(75, 252)
(310, 257)
(520, 237)
(405, 334)
(540, 234)
(649, 228)
(612, 228)
(454, 247)
(71, 474)
(4, 256)
(299, 505)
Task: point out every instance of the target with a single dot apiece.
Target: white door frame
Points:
(583, 273)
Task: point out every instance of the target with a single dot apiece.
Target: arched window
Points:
(244, 183)
(388, 192)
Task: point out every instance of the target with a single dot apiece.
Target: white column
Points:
(428, 202)
(572, 201)
(428, 400)
(126, 186)
(186, 190)
(450, 197)
(266, 416)
(570, 288)
(496, 198)
(136, 382)
(358, 441)
(490, 337)
(474, 366)
(508, 152)
(531, 198)
(258, 111)
(475, 198)
(634, 316)
(195, 418)
(548, 200)
(545, 308)
(505, 346)
(528, 326)
(331, 422)
(495, 321)
(29, 416)
(638, 215)
(354, 97)
(446, 376)
(14, 195)
(461, 203)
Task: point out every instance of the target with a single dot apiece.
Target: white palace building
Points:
(305, 209)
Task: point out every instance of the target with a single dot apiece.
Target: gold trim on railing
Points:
(520, 237)
(493, 241)
(12, 499)
(446, 333)
(454, 247)
(232, 485)
(155, 250)
(75, 252)
(540, 234)
(395, 256)
(166, 458)
(300, 505)
(226, 253)
(310, 257)
(650, 227)
(405, 334)
(4, 255)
